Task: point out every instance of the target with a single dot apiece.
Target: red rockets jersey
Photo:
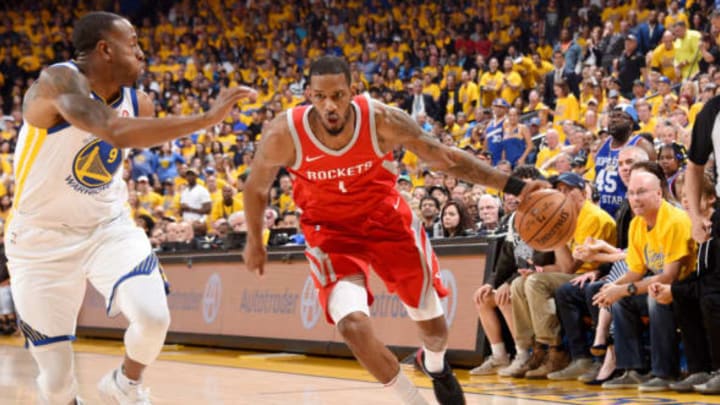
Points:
(332, 186)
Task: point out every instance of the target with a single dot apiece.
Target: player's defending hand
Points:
(225, 101)
(254, 256)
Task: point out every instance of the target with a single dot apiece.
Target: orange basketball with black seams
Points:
(546, 219)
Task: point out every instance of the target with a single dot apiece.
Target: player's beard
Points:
(337, 130)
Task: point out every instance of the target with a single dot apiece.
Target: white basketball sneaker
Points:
(111, 393)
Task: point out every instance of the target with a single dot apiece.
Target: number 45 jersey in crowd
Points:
(607, 175)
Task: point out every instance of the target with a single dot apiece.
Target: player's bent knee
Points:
(155, 320)
(354, 326)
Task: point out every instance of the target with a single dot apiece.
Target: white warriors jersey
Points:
(69, 177)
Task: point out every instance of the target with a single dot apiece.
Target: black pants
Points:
(697, 306)
(690, 319)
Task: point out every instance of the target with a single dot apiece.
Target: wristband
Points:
(514, 186)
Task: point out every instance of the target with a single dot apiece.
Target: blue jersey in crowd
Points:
(494, 136)
(607, 176)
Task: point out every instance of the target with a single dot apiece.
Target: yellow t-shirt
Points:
(507, 93)
(220, 210)
(664, 59)
(286, 203)
(593, 221)
(492, 82)
(668, 241)
(546, 154)
(686, 51)
(649, 127)
(468, 94)
(150, 200)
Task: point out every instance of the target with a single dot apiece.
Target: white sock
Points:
(405, 390)
(522, 354)
(124, 382)
(498, 351)
(434, 361)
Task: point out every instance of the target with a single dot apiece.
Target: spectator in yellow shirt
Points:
(512, 83)
(148, 199)
(491, 83)
(660, 249)
(227, 205)
(663, 56)
(687, 48)
(285, 199)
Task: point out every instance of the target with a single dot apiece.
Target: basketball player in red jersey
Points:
(339, 152)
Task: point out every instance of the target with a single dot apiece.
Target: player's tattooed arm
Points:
(395, 126)
(63, 94)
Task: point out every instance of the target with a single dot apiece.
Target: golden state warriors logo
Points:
(94, 167)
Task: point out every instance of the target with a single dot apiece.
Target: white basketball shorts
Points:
(49, 268)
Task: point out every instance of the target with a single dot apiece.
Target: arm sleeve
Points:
(703, 132)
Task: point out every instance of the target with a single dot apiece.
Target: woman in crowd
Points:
(454, 221)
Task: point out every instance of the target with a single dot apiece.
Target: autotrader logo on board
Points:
(310, 309)
(449, 303)
(211, 298)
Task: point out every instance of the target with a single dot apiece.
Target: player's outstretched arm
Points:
(395, 127)
(61, 93)
(274, 151)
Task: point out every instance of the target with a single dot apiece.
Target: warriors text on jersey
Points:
(69, 177)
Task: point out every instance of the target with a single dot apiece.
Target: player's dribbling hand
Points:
(226, 99)
(254, 256)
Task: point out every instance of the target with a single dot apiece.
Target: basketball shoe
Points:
(111, 393)
(445, 384)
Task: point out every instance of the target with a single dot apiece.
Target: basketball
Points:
(546, 219)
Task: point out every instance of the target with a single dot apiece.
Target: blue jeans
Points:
(573, 303)
(628, 335)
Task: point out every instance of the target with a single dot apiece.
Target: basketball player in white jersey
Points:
(69, 221)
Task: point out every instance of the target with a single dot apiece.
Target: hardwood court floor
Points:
(185, 375)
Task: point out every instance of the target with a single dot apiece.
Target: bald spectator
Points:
(237, 222)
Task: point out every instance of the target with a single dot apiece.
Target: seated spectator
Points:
(429, 213)
(672, 161)
(574, 299)
(659, 244)
(221, 228)
(489, 209)
(237, 222)
(690, 300)
(515, 256)
(454, 221)
(533, 318)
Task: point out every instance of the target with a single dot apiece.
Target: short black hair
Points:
(91, 28)
(431, 199)
(527, 172)
(330, 65)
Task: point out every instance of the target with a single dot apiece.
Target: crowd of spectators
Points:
(539, 87)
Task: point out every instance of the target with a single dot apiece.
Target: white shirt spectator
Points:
(194, 198)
